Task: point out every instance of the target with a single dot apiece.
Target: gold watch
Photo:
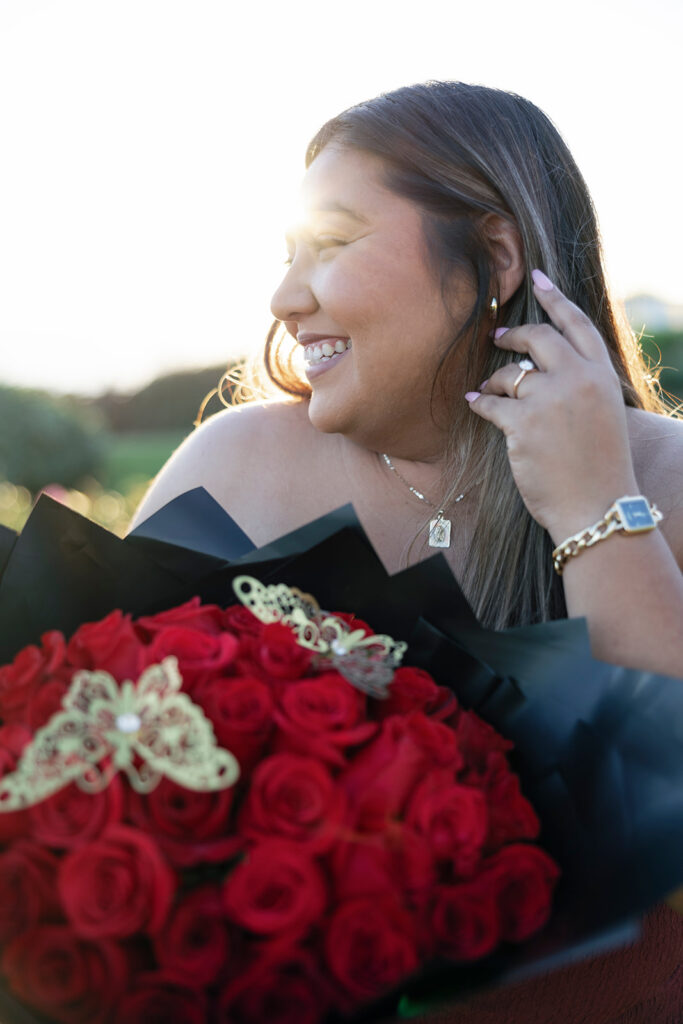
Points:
(630, 514)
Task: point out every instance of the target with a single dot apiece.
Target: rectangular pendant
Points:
(440, 533)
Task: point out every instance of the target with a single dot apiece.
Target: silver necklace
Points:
(440, 527)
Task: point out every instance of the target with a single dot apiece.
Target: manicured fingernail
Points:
(471, 395)
(500, 331)
(483, 384)
(541, 281)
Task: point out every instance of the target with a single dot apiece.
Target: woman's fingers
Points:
(513, 380)
(576, 327)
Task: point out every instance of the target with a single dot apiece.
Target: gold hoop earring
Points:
(493, 308)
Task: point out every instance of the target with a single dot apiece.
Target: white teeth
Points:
(326, 351)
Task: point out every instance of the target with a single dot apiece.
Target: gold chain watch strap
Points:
(615, 518)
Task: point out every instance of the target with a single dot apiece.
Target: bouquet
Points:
(274, 822)
(597, 748)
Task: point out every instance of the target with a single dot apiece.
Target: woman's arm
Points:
(568, 445)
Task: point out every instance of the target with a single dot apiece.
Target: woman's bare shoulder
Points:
(258, 441)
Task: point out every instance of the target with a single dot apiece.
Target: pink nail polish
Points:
(471, 395)
(541, 281)
(483, 384)
(500, 331)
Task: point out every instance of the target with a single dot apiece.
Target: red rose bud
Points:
(294, 798)
(413, 689)
(453, 819)
(382, 776)
(157, 998)
(241, 712)
(465, 919)
(65, 977)
(477, 739)
(239, 620)
(45, 703)
(275, 889)
(199, 654)
(27, 888)
(207, 618)
(511, 816)
(370, 946)
(21, 680)
(111, 645)
(116, 885)
(523, 878)
(194, 946)
(320, 717)
(281, 985)
(72, 817)
(188, 826)
(279, 653)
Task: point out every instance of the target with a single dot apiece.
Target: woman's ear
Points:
(507, 251)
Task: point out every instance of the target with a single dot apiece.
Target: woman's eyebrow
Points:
(333, 206)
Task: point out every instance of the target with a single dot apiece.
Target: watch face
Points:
(636, 515)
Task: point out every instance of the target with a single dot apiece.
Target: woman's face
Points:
(360, 285)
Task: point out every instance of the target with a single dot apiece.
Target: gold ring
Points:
(526, 366)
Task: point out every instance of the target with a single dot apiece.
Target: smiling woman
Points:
(468, 385)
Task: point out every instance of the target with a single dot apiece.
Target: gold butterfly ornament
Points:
(150, 729)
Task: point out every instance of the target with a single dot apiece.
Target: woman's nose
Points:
(293, 299)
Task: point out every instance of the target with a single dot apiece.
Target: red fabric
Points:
(638, 984)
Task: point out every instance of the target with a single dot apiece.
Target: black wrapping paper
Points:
(599, 748)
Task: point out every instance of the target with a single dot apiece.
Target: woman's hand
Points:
(566, 430)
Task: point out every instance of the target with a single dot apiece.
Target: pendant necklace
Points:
(439, 527)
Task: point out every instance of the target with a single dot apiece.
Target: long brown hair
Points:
(461, 152)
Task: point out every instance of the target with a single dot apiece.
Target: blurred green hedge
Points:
(44, 439)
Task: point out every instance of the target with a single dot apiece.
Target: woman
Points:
(467, 385)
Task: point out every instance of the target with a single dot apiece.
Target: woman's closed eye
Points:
(322, 243)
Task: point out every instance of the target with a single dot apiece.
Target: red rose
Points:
(66, 978)
(241, 712)
(413, 689)
(207, 618)
(382, 776)
(396, 860)
(362, 868)
(465, 919)
(353, 623)
(157, 998)
(117, 885)
(370, 946)
(22, 678)
(477, 739)
(13, 739)
(275, 889)
(322, 716)
(511, 816)
(279, 654)
(280, 985)
(110, 645)
(71, 816)
(238, 619)
(295, 798)
(46, 702)
(453, 818)
(27, 888)
(193, 946)
(199, 654)
(523, 879)
(188, 826)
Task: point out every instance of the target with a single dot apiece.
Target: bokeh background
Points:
(151, 157)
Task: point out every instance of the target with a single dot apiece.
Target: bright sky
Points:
(152, 148)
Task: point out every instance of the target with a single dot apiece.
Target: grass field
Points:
(135, 458)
